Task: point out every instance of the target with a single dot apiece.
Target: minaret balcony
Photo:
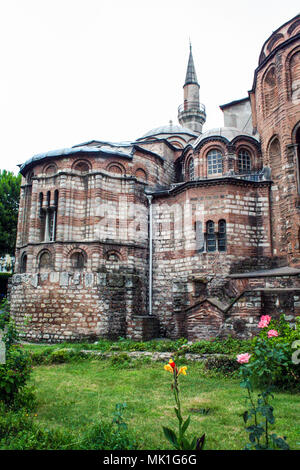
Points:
(191, 110)
(192, 114)
(193, 106)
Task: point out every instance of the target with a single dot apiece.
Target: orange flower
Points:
(182, 370)
(168, 368)
(171, 366)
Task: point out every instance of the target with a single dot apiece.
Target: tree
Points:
(9, 205)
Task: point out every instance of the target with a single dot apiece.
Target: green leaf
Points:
(178, 415)
(171, 436)
(193, 443)
(185, 445)
(185, 425)
(279, 442)
(245, 416)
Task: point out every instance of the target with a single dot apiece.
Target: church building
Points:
(180, 233)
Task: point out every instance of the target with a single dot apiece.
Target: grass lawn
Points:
(72, 396)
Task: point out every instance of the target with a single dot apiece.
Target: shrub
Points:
(111, 437)
(15, 373)
(3, 283)
(56, 356)
(277, 352)
(19, 432)
(120, 360)
(217, 346)
(225, 365)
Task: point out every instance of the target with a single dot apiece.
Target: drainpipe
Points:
(150, 253)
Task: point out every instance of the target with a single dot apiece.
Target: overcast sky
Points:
(77, 70)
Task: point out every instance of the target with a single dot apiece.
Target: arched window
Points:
(244, 161)
(48, 217)
(210, 236)
(214, 162)
(275, 159)
(297, 139)
(275, 39)
(50, 169)
(113, 256)
(222, 235)
(116, 168)
(82, 166)
(41, 197)
(293, 27)
(45, 261)
(23, 263)
(191, 170)
(295, 77)
(141, 174)
(56, 197)
(77, 260)
(270, 91)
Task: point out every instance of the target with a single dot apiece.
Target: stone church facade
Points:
(181, 233)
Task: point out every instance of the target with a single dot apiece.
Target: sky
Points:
(77, 70)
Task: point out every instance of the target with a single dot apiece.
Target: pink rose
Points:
(264, 321)
(272, 333)
(243, 358)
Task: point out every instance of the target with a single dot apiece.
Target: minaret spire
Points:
(191, 113)
(191, 76)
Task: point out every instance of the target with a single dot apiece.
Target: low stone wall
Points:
(55, 307)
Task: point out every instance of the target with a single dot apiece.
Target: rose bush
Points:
(264, 367)
(272, 357)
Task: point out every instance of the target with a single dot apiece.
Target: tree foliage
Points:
(9, 205)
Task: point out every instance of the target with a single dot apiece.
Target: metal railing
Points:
(191, 106)
(257, 176)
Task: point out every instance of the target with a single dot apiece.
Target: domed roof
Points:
(171, 129)
(228, 133)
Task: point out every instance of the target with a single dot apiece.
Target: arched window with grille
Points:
(214, 162)
(191, 170)
(222, 235)
(244, 161)
(210, 236)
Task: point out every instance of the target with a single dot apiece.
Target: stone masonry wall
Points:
(182, 273)
(69, 306)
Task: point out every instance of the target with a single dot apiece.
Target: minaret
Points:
(191, 113)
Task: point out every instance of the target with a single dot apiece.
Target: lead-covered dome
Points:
(228, 133)
(169, 130)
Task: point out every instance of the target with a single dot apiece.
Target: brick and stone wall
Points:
(183, 274)
(68, 306)
(82, 256)
(276, 115)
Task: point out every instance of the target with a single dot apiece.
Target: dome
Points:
(228, 133)
(169, 130)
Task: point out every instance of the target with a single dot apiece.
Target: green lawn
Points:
(72, 396)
